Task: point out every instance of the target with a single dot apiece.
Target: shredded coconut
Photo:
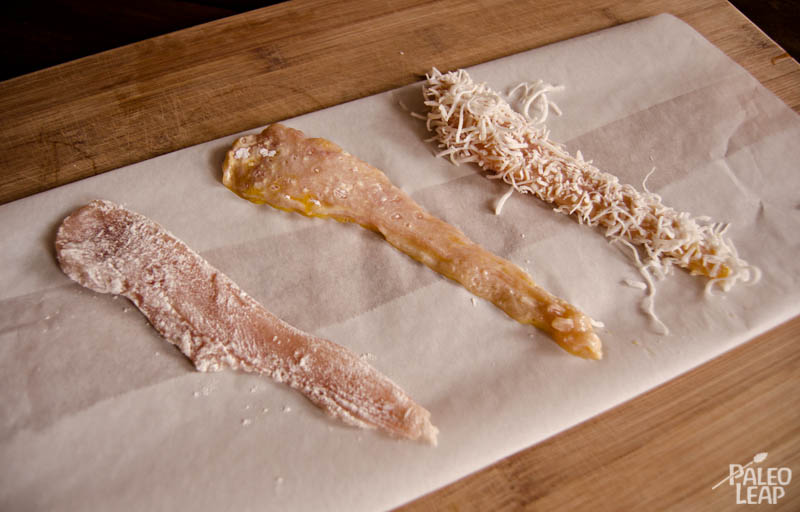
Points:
(473, 123)
(500, 202)
(635, 284)
(535, 95)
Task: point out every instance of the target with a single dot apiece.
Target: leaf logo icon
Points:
(759, 457)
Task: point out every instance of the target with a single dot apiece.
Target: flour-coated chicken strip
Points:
(110, 249)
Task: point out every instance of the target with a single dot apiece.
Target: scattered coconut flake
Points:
(500, 202)
(639, 285)
(535, 95)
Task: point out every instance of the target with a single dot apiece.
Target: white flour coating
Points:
(112, 250)
(474, 124)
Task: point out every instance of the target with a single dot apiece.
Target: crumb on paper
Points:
(286, 408)
(204, 391)
(246, 422)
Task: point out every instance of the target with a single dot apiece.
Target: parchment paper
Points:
(99, 413)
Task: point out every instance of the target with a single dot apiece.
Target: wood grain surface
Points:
(122, 106)
(661, 451)
(664, 450)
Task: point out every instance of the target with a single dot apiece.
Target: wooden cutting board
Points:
(133, 103)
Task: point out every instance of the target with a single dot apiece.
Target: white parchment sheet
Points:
(100, 413)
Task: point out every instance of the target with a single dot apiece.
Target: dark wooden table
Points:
(38, 35)
(659, 451)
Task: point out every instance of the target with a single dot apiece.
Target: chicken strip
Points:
(473, 123)
(110, 249)
(315, 177)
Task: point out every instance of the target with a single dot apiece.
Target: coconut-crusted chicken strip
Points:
(473, 123)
